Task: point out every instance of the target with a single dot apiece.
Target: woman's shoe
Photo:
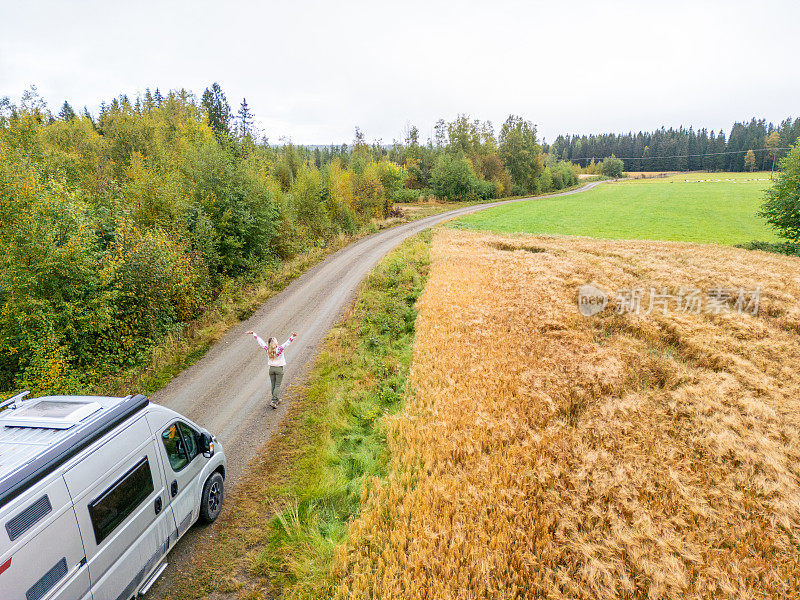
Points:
(273, 404)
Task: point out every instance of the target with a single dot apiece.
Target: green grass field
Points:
(696, 207)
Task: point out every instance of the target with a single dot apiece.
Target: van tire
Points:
(211, 502)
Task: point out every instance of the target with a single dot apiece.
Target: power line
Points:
(680, 155)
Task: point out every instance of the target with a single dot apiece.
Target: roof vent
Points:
(50, 414)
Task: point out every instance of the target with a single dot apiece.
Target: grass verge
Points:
(290, 511)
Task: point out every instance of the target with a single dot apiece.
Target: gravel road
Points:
(227, 390)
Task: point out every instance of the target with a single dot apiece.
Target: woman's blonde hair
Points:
(272, 348)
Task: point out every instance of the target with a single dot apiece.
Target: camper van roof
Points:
(43, 433)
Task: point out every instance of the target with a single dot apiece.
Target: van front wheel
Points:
(211, 502)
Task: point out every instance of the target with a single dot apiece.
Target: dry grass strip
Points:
(548, 455)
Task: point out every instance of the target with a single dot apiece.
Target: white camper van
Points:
(94, 491)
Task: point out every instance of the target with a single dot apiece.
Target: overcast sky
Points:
(312, 70)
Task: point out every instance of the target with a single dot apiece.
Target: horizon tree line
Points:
(750, 146)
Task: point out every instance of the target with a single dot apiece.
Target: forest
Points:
(121, 227)
(748, 147)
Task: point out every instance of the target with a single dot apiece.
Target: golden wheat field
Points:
(544, 454)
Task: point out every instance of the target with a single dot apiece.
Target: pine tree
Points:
(709, 160)
(6, 109)
(412, 136)
(722, 146)
(360, 143)
(245, 119)
(88, 115)
(218, 111)
(440, 134)
(66, 114)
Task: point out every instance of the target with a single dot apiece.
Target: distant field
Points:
(695, 207)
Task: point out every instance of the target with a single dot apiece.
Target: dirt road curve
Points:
(226, 391)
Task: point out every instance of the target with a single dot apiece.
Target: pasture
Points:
(696, 207)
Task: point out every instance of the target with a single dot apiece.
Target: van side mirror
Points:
(206, 444)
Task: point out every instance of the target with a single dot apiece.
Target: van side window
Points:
(114, 505)
(180, 442)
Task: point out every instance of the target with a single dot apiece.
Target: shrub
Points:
(391, 176)
(155, 284)
(612, 166)
(308, 194)
(405, 195)
(781, 206)
(503, 184)
(563, 175)
(546, 180)
(283, 174)
(454, 179)
(490, 166)
(482, 190)
(791, 249)
(345, 219)
(368, 193)
(518, 190)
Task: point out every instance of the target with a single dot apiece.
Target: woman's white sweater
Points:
(280, 358)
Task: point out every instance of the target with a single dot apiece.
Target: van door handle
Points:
(157, 505)
(173, 489)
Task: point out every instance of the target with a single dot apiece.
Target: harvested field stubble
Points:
(543, 454)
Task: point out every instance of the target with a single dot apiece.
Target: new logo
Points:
(591, 300)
